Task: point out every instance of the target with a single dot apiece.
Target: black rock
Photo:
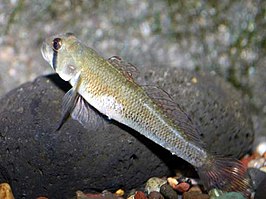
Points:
(37, 160)
(168, 192)
(256, 176)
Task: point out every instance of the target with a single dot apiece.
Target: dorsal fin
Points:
(174, 112)
(129, 70)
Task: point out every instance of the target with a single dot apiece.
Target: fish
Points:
(110, 86)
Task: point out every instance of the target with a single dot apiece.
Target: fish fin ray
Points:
(174, 112)
(226, 174)
(129, 70)
(86, 115)
(81, 111)
(69, 101)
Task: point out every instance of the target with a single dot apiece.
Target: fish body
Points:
(108, 86)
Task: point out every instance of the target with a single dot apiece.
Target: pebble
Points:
(137, 195)
(256, 176)
(154, 184)
(195, 195)
(257, 163)
(246, 159)
(131, 194)
(263, 169)
(259, 153)
(181, 184)
(218, 194)
(130, 197)
(168, 192)
(155, 195)
(120, 192)
(5, 191)
(256, 160)
(214, 193)
(195, 188)
(140, 195)
(172, 182)
(103, 195)
(81, 195)
(261, 190)
(264, 155)
(260, 145)
(230, 195)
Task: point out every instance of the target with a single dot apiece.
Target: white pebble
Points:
(154, 184)
(260, 145)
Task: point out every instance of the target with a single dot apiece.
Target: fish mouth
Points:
(47, 53)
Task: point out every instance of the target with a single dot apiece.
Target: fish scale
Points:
(163, 133)
(108, 86)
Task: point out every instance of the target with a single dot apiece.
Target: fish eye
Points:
(57, 43)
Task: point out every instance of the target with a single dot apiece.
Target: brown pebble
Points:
(264, 155)
(155, 195)
(41, 197)
(140, 195)
(195, 188)
(181, 184)
(195, 195)
(245, 160)
(168, 192)
(182, 187)
(256, 155)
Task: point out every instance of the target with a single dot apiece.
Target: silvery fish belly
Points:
(109, 86)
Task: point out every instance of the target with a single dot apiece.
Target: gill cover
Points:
(58, 52)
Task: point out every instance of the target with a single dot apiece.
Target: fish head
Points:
(60, 52)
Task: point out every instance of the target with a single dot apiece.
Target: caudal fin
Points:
(226, 174)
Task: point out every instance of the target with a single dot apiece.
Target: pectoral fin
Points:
(74, 104)
(79, 109)
(69, 102)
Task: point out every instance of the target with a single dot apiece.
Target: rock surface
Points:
(37, 160)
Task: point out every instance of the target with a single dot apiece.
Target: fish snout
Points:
(47, 53)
